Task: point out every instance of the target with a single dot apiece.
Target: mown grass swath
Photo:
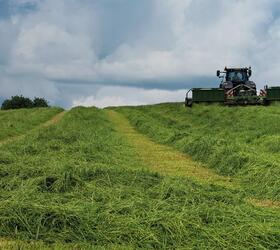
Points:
(80, 183)
(236, 141)
(17, 122)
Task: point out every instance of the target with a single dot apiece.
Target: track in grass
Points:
(264, 203)
(167, 160)
(164, 159)
(55, 119)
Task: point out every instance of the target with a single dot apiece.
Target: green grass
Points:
(17, 122)
(243, 142)
(80, 184)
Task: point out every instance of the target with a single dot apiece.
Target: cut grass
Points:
(17, 122)
(54, 120)
(241, 142)
(265, 203)
(166, 160)
(48, 123)
(81, 183)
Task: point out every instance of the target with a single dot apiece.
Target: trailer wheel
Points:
(188, 102)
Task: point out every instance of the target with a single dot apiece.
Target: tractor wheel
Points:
(266, 102)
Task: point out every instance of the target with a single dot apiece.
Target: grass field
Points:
(87, 182)
(16, 122)
(241, 142)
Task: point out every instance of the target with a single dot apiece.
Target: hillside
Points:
(123, 178)
(16, 122)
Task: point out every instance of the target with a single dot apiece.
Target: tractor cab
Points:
(237, 80)
(237, 75)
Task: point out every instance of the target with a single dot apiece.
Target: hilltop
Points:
(158, 176)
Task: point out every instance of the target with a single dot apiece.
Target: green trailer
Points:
(273, 94)
(208, 95)
(205, 95)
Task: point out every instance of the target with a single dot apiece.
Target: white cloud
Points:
(121, 96)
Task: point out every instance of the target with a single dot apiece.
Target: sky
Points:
(132, 52)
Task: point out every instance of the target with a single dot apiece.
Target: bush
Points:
(18, 102)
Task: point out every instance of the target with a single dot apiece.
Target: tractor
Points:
(235, 89)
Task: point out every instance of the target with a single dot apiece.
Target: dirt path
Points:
(55, 119)
(165, 159)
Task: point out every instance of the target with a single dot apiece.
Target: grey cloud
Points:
(4, 9)
(164, 84)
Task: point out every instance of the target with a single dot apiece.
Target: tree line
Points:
(18, 102)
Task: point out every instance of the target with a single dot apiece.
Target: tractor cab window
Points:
(236, 76)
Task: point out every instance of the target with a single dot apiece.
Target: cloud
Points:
(30, 86)
(62, 49)
(121, 96)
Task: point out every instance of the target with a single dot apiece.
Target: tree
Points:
(6, 105)
(40, 102)
(18, 102)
